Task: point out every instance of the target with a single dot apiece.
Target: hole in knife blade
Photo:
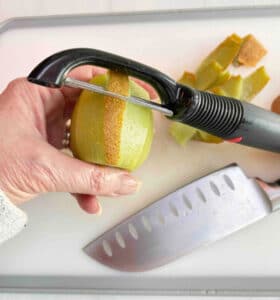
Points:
(107, 248)
(147, 224)
(201, 195)
(120, 240)
(174, 209)
(184, 213)
(214, 188)
(229, 182)
(161, 219)
(132, 230)
(187, 201)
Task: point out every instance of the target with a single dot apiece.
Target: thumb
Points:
(63, 173)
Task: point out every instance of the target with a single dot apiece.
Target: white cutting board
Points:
(58, 229)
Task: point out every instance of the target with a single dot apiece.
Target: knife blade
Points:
(204, 211)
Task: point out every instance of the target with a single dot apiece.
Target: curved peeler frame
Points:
(225, 117)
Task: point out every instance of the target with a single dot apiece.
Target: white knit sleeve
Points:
(12, 219)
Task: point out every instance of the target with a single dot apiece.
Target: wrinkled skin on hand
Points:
(32, 126)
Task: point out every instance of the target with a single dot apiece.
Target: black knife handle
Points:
(233, 120)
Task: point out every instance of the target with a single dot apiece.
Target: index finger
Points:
(86, 73)
(83, 73)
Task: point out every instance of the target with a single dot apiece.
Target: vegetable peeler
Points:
(201, 212)
(225, 117)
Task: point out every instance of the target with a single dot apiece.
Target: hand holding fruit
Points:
(32, 125)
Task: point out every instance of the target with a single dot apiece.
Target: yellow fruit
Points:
(109, 131)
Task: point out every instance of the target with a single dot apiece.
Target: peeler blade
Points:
(197, 214)
(71, 82)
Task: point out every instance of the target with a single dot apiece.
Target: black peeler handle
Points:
(225, 117)
(233, 120)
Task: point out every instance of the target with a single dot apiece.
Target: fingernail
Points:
(139, 186)
(100, 210)
(128, 185)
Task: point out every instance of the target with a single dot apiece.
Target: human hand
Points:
(32, 126)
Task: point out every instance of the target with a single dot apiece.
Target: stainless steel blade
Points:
(71, 82)
(199, 213)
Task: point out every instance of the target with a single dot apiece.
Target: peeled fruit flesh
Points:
(109, 131)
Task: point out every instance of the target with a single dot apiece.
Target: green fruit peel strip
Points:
(254, 83)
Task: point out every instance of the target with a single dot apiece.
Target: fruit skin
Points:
(188, 79)
(207, 76)
(109, 131)
(231, 88)
(254, 83)
(113, 116)
(224, 53)
(251, 52)
(182, 133)
(212, 76)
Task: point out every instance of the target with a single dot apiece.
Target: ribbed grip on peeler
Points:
(218, 115)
